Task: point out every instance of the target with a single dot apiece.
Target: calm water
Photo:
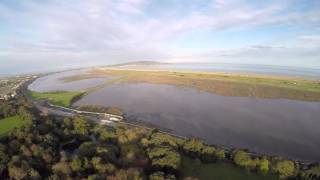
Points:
(310, 73)
(54, 82)
(283, 127)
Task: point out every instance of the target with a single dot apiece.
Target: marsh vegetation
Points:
(226, 84)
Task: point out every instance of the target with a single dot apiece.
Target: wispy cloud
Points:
(125, 30)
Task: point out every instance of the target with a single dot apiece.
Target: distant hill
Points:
(139, 63)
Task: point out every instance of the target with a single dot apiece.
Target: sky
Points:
(44, 34)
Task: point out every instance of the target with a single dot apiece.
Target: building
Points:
(114, 119)
(106, 121)
(2, 97)
(6, 97)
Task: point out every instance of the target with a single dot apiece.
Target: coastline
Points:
(237, 69)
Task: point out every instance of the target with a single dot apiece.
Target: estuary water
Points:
(55, 82)
(272, 126)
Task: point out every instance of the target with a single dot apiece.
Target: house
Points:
(105, 121)
(13, 95)
(114, 119)
(6, 97)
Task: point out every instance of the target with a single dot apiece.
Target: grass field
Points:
(290, 83)
(8, 124)
(220, 171)
(58, 98)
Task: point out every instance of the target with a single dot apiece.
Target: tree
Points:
(101, 167)
(165, 158)
(263, 165)
(194, 147)
(50, 140)
(25, 151)
(87, 149)
(161, 176)
(48, 156)
(14, 145)
(107, 136)
(3, 158)
(130, 174)
(8, 110)
(312, 173)
(131, 154)
(160, 139)
(25, 115)
(157, 176)
(220, 154)
(81, 126)
(108, 153)
(95, 177)
(18, 168)
(55, 177)
(67, 123)
(284, 168)
(243, 159)
(76, 164)
(145, 142)
(208, 153)
(131, 135)
(34, 174)
(62, 167)
(36, 150)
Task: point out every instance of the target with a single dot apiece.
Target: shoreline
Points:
(255, 73)
(228, 148)
(248, 74)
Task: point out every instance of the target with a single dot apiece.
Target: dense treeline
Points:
(17, 106)
(72, 148)
(13, 107)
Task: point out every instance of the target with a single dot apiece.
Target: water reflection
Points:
(55, 82)
(284, 127)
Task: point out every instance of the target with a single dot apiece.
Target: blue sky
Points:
(93, 32)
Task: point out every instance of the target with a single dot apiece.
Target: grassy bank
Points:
(10, 123)
(60, 98)
(225, 84)
(225, 171)
(101, 109)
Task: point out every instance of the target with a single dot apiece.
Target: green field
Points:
(220, 171)
(60, 98)
(8, 124)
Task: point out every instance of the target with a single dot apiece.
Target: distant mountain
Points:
(140, 63)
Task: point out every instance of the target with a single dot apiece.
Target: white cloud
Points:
(123, 30)
(131, 6)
